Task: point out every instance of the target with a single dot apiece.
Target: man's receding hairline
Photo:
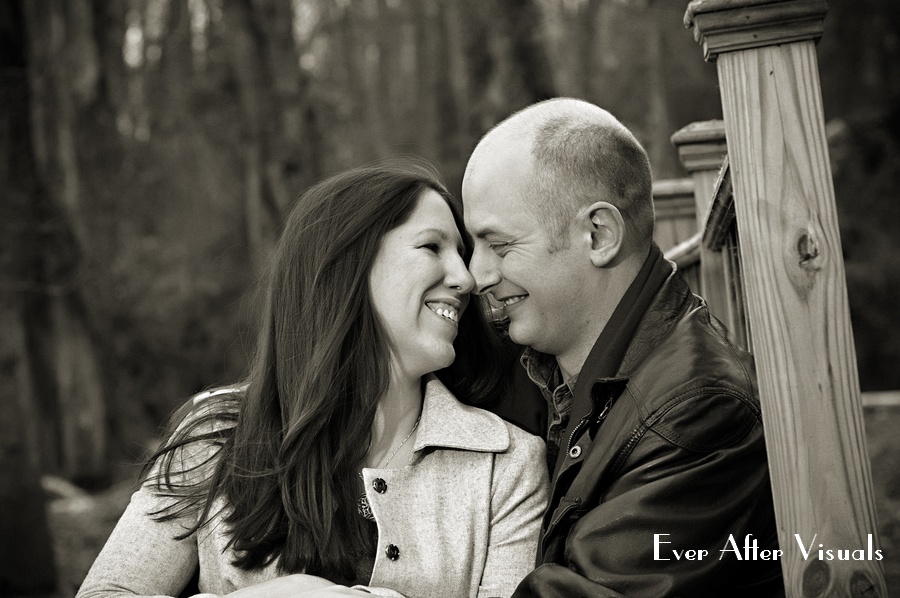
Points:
(525, 125)
(527, 122)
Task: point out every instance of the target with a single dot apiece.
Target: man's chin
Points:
(521, 335)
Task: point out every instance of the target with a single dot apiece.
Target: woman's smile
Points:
(448, 309)
(419, 265)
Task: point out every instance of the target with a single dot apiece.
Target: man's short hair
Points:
(582, 154)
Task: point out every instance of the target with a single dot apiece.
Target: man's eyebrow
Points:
(485, 232)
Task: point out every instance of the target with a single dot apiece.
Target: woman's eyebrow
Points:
(441, 233)
(443, 236)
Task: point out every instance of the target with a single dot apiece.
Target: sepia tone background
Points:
(149, 148)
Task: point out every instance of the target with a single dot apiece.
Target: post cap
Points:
(729, 25)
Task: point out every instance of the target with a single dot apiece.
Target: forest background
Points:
(149, 149)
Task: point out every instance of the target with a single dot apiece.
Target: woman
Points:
(345, 460)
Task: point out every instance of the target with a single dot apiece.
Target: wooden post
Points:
(702, 150)
(795, 288)
(674, 205)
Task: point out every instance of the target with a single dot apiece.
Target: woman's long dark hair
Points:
(294, 438)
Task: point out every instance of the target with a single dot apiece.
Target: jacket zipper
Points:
(585, 420)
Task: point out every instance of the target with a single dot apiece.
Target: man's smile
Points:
(508, 301)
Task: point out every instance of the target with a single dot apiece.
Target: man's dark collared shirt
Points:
(544, 371)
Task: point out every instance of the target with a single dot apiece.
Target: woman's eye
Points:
(432, 247)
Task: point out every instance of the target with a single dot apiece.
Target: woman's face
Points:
(420, 286)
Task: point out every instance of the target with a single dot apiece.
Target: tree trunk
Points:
(63, 74)
(26, 554)
(248, 62)
(26, 564)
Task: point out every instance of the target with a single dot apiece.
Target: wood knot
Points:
(808, 251)
(861, 586)
(816, 579)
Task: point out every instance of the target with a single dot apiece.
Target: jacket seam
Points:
(657, 418)
(698, 391)
(748, 378)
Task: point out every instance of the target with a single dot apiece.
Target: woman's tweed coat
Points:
(462, 519)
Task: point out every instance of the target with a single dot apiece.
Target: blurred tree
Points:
(149, 148)
(69, 405)
(170, 136)
(26, 565)
(860, 70)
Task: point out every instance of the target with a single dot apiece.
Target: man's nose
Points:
(485, 270)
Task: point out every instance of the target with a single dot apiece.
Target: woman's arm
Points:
(519, 495)
(141, 556)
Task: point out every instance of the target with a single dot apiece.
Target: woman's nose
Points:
(458, 277)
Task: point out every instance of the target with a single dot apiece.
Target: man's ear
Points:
(603, 225)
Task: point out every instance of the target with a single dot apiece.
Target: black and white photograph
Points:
(449, 298)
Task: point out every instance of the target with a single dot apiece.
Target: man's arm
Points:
(691, 483)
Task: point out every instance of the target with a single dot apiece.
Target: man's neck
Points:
(607, 296)
(567, 374)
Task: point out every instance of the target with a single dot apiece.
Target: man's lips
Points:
(511, 300)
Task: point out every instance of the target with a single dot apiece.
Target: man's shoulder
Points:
(696, 352)
(697, 389)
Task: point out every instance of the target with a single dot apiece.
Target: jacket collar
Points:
(669, 304)
(447, 423)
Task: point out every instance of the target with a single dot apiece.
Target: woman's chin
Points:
(449, 361)
(439, 361)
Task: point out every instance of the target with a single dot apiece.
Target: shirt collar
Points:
(447, 423)
(544, 370)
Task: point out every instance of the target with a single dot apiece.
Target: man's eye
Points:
(498, 247)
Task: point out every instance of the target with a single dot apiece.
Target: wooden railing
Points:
(766, 255)
(676, 223)
(708, 253)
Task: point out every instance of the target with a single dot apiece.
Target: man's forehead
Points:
(496, 168)
(502, 146)
(500, 214)
(482, 214)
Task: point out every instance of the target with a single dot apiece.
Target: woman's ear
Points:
(603, 224)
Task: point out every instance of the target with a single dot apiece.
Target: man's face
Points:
(543, 291)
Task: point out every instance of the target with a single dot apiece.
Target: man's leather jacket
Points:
(673, 444)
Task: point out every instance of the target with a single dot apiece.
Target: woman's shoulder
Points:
(522, 467)
(196, 433)
(523, 443)
(209, 411)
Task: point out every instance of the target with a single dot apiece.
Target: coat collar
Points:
(447, 423)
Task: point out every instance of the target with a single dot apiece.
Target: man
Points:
(654, 432)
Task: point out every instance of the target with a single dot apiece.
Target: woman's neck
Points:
(396, 415)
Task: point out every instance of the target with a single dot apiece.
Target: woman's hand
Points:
(297, 585)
